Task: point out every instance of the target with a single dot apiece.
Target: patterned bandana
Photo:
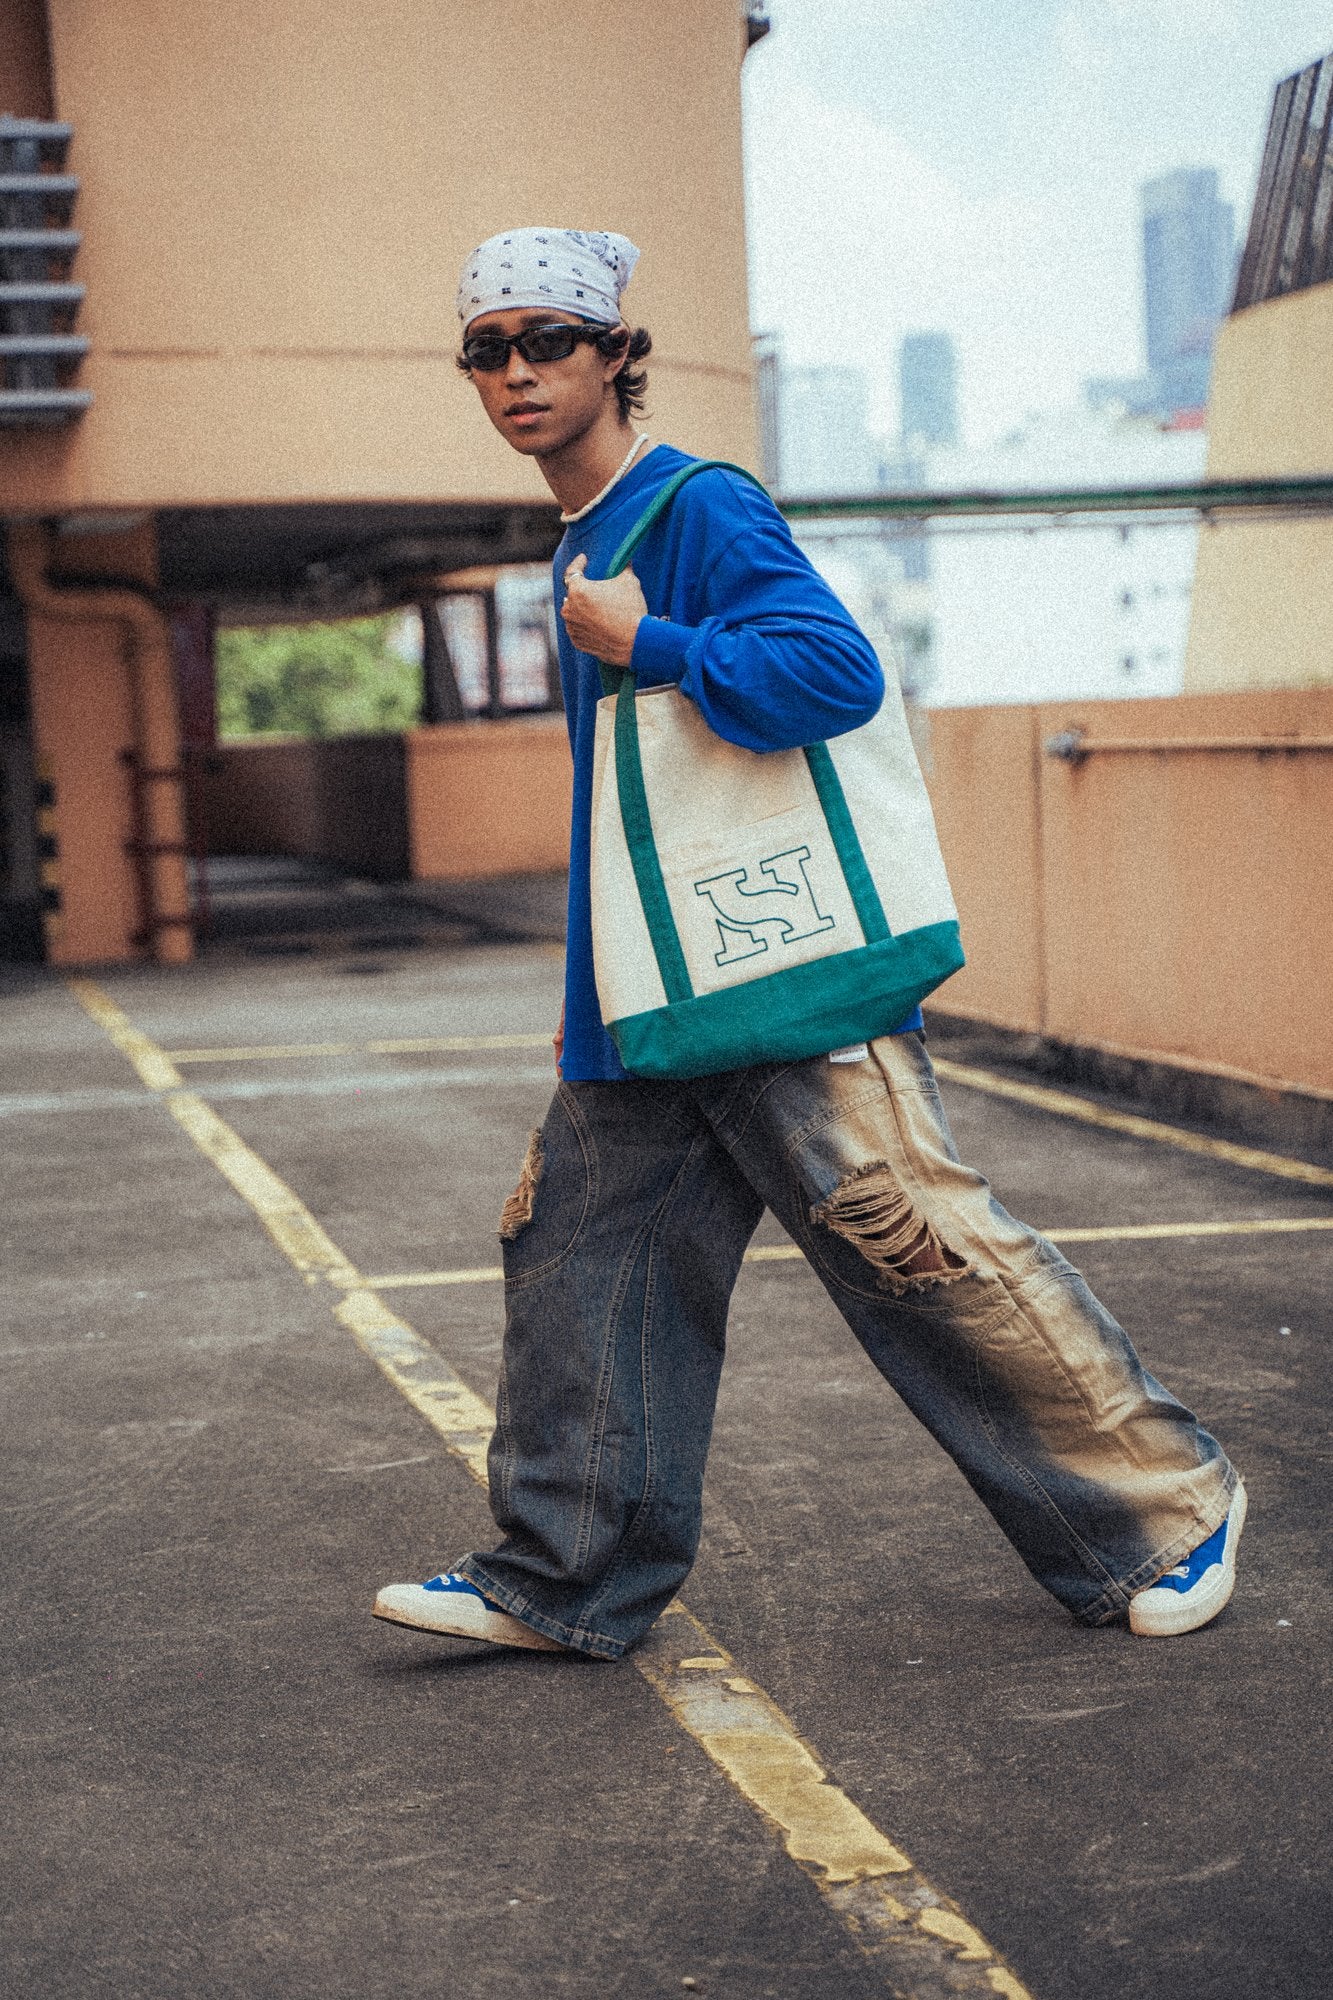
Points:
(573, 270)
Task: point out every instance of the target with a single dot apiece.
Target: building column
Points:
(108, 753)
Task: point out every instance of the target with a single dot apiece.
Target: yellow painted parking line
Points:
(399, 1281)
(153, 1065)
(786, 1253)
(917, 1939)
(286, 1218)
(410, 1045)
(1066, 1106)
(1147, 1232)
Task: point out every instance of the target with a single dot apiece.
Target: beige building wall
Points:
(1262, 613)
(1169, 903)
(276, 201)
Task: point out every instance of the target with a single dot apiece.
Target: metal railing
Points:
(1280, 498)
(38, 300)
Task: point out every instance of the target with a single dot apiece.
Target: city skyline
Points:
(902, 173)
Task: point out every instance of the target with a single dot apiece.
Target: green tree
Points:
(316, 680)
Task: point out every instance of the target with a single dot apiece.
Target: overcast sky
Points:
(974, 165)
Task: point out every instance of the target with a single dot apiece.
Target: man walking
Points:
(624, 1236)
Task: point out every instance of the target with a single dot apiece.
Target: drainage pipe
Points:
(158, 846)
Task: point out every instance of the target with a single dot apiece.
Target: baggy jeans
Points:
(622, 1244)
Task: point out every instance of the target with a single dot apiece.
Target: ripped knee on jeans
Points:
(517, 1211)
(873, 1212)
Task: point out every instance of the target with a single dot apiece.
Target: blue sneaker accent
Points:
(450, 1580)
(451, 1604)
(1187, 1573)
(1196, 1589)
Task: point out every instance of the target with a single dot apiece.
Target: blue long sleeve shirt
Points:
(743, 623)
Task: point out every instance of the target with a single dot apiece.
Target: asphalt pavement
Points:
(224, 1779)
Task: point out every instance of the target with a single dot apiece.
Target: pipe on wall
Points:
(159, 845)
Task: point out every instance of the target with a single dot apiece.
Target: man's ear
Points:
(617, 352)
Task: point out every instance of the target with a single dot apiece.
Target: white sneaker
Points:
(450, 1604)
(1197, 1588)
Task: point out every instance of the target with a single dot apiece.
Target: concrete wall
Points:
(342, 800)
(276, 202)
(449, 802)
(1169, 904)
(1262, 614)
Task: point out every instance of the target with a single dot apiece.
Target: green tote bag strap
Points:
(634, 811)
(657, 506)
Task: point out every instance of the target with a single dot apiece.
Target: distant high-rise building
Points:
(928, 385)
(768, 406)
(1188, 262)
(826, 447)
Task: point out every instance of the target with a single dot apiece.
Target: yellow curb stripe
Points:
(414, 1045)
(916, 1938)
(785, 1253)
(1064, 1106)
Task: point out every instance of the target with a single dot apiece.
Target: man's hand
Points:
(602, 618)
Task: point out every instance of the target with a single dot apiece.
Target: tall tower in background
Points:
(768, 406)
(1187, 272)
(928, 387)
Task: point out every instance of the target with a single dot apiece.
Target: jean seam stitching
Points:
(645, 1340)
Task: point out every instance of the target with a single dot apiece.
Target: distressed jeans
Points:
(622, 1244)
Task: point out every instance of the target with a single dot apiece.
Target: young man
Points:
(624, 1237)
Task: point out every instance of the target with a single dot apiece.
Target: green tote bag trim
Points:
(851, 855)
(636, 816)
(638, 825)
(791, 1015)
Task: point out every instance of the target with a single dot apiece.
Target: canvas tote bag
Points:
(754, 906)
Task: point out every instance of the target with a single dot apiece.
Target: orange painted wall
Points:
(489, 798)
(276, 201)
(980, 764)
(1183, 902)
(82, 717)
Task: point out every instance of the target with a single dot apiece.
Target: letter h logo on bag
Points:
(748, 913)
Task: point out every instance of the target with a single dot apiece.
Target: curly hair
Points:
(631, 383)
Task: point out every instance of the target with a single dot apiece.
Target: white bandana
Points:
(572, 270)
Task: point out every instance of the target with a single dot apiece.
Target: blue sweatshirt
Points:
(743, 624)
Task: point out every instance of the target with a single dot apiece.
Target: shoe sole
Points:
(457, 1621)
(1169, 1614)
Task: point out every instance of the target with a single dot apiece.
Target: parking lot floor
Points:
(226, 1779)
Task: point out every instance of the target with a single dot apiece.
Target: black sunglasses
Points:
(490, 351)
